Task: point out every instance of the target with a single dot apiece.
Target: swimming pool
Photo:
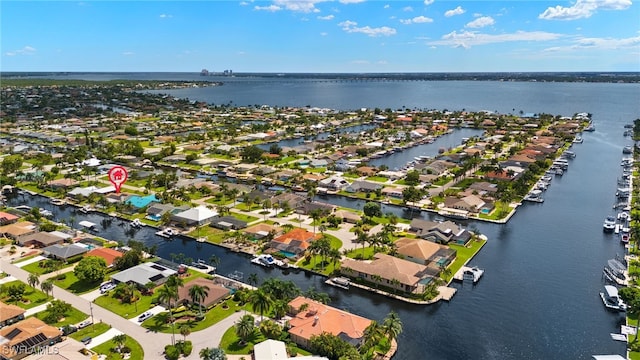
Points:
(287, 253)
(142, 201)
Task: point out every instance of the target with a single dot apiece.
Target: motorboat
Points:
(166, 233)
(474, 274)
(578, 140)
(136, 223)
(624, 237)
(609, 223)
(265, 260)
(58, 202)
(627, 149)
(86, 209)
(46, 213)
(616, 272)
(534, 196)
(623, 216)
(88, 225)
(341, 282)
(611, 300)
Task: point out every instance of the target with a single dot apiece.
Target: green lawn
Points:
(368, 253)
(74, 316)
(73, 284)
(462, 256)
(108, 348)
(32, 297)
(92, 330)
(213, 316)
(315, 262)
(213, 235)
(244, 217)
(230, 343)
(380, 179)
(127, 311)
(501, 210)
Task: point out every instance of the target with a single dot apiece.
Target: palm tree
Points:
(214, 261)
(253, 279)
(185, 330)
(280, 309)
(47, 286)
(198, 293)
(165, 294)
(260, 301)
(212, 354)
(33, 280)
(245, 328)
(392, 326)
(119, 340)
(372, 335)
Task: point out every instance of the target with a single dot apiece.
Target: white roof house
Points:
(195, 216)
(144, 273)
(276, 350)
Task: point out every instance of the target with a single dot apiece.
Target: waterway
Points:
(538, 298)
(297, 141)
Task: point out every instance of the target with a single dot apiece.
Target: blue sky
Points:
(320, 36)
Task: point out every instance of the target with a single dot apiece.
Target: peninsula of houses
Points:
(263, 180)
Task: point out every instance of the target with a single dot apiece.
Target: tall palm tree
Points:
(372, 335)
(245, 327)
(119, 340)
(253, 279)
(47, 287)
(185, 330)
(392, 326)
(260, 301)
(165, 294)
(198, 293)
(33, 280)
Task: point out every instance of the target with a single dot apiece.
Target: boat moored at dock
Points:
(611, 300)
(341, 282)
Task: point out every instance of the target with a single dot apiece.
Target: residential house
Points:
(17, 230)
(366, 171)
(394, 192)
(63, 252)
(295, 241)
(484, 187)
(7, 218)
(63, 183)
(363, 186)
(144, 273)
(40, 239)
(10, 314)
(291, 199)
(318, 163)
(318, 318)
(471, 203)
(228, 223)
(307, 208)
(334, 183)
(196, 216)
(389, 271)
(108, 254)
(423, 252)
(347, 216)
(342, 165)
(215, 294)
(440, 232)
(262, 230)
(24, 337)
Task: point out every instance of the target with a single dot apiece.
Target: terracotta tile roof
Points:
(416, 248)
(29, 328)
(214, 294)
(9, 311)
(389, 267)
(109, 255)
(319, 318)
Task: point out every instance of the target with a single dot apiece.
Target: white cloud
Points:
(165, 16)
(599, 44)
(270, 8)
(407, 9)
(428, 2)
(582, 9)
(417, 20)
(386, 6)
(457, 11)
(350, 27)
(481, 22)
(243, 3)
(324, 34)
(328, 17)
(468, 39)
(305, 6)
(128, 53)
(27, 50)
(351, 1)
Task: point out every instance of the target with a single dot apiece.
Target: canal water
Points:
(538, 298)
(297, 141)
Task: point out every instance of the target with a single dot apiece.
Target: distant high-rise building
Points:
(204, 72)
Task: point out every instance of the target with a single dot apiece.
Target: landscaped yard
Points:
(74, 316)
(360, 253)
(108, 347)
(462, 256)
(35, 267)
(91, 330)
(127, 311)
(73, 284)
(230, 342)
(31, 298)
(212, 316)
(212, 235)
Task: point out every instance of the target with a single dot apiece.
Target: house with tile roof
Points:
(108, 254)
(389, 271)
(427, 253)
(262, 230)
(63, 252)
(215, 294)
(319, 318)
(18, 230)
(22, 338)
(295, 241)
(40, 239)
(10, 314)
(7, 218)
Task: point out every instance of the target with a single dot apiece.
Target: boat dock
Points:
(468, 273)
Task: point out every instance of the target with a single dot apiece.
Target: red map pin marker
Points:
(118, 175)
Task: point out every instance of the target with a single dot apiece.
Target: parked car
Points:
(144, 316)
(68, 329)
(107, 287)
(84, 324)
(86, 340)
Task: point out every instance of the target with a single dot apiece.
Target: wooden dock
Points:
(446, 293)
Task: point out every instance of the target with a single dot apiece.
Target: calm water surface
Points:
(539, 296)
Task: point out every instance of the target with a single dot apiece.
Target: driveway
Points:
(103, 338)
(30, 261)
(154, 310)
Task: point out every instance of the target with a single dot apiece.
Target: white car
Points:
(107, 287)
(84, 324)
(144, 316)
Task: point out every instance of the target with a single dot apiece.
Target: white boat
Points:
(609, 224)
(264, 260)
(623, 216)
(87, 225)
(57, 202)
(627, 149)
(559, 172)
(611, 300)
(341, 282)
(86, 209)
(454, 213)
(473, 274)
(136, 223)
(166, 233)
(534, 196)
(46, 213)
(578, 140)
(616, 272)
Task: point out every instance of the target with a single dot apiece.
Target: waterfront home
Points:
(394, 192)
(335, 183)
(296, 241)
(7, 218)
(291, 199)
(144, 273)
(63, 252)
(24, 337)
(196, 216)
(307, 208)
(10, 314)
(108, 254)
(276, 350)
(484, 187)
(440, 232)
(436, 167)
(215, 294)
(17, 230)
(228, 223)
(363, 186)
(260, 231)
(347, 216)
(63, 183)
(424, 252)
(389, 271)
(40, 239)
(471, 203)
(317, 318)
(366, 171)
